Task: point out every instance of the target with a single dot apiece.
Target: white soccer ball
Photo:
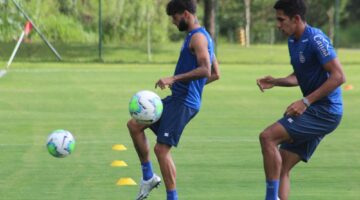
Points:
(60, 143)
(145, 107)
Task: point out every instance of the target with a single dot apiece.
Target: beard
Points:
(183, 26)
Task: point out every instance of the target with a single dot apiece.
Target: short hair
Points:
(179, 6)
(292, 7)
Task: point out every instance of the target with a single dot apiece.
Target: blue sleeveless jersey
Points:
(308, 56)
(189, 92)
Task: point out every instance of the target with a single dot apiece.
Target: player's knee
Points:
(264, 137)
(161, 150)
(158, 150)
(131, 126)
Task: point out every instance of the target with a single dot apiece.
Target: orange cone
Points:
(348, 87)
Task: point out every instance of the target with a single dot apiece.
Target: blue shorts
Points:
(308, 129)
(173, 120)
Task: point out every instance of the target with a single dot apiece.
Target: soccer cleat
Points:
(147, 186)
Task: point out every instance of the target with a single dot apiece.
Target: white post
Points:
(148, 33)
(248, 21)
(15, 50)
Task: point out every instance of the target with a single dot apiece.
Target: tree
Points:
(210, 17)
(230, 18)
(352, 8)
(321, 13)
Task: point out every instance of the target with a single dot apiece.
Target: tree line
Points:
(127, 21)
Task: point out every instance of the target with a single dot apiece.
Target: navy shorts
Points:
(173, 120)
(308, 129)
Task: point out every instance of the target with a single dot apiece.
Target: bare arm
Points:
(215, 71)
(199, 45)
(336, 78)
(269, 82)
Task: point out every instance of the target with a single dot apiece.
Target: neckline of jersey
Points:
(195, 30)
(306, 30)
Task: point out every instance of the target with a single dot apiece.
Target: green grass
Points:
(218, 157)
(137, 54)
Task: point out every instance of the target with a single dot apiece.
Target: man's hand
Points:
(296, 109)
(265, 83)
(163, 82)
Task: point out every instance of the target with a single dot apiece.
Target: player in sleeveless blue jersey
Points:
(306, 121)
(197, 66)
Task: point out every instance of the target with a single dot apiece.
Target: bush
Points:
(349, 37)
(62, 28)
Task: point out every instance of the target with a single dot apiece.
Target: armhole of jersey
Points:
(193, 53)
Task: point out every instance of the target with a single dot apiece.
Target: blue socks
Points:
(147, 171)
(171, 195)
(148, 174)
(272, 190)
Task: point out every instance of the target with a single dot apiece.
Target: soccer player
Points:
(196, 67)
(306, 121)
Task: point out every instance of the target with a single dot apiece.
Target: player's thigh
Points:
(275, 133)
(173, 122)
(289, 160)
(312, 124)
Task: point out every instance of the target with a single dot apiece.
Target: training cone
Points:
(119, 147)
(348, 87)
(126, 181)
(118, 163)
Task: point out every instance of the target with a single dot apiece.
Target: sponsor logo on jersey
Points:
(322, 44)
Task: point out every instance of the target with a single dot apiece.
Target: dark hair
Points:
(179, 6)
(292, 7)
